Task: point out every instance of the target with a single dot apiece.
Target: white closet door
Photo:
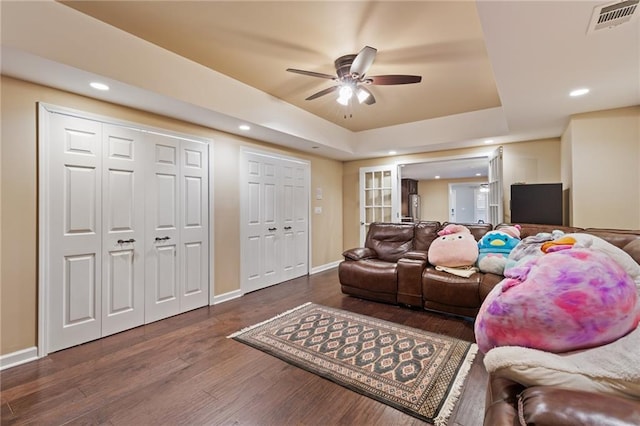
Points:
(123, 229)
(162, 267)
(74, 231)
(274, 218)
(294, 219)
(259, 219)
(194, 238)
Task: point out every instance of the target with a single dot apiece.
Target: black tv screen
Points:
(537, 203)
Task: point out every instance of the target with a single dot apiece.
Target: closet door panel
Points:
(162, 294)
(300, 222)
(194, 175)
(123, 229)
(287, 219)
(74, 231)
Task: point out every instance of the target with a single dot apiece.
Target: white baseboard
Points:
(19, 357)
(226, 296)
(324, 267)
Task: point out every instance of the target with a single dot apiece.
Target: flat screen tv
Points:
(536, 203)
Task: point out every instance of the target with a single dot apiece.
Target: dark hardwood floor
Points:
(184, 370)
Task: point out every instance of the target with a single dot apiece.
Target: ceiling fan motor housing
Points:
(343, 66)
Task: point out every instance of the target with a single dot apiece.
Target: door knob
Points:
(130, 240)
(165, 238)
(272, 229)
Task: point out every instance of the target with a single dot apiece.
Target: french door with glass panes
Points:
(378, 196)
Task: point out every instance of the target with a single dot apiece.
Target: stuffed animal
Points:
(455, 247)
(562, 301)
(494, 248)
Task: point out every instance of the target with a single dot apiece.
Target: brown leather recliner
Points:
(371, 272)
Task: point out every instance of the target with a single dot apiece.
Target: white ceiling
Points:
(537, 52)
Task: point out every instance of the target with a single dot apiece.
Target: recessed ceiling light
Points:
(488, 141)
(437, 177)
(99, 86)
(392, 152)
(579, 92)
(244, 127)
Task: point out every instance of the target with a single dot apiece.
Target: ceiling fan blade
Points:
(322, 93)
(370, 100)
(363, 61)
(313, 74)
(394, 79)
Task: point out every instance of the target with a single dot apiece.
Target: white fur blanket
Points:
(612, 368)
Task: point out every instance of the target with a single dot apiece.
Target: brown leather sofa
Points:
(393, 267)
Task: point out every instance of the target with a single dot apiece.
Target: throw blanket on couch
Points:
(612, 369)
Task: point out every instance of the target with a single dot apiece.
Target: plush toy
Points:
(562, 301)
(455, 247)
(494, 248)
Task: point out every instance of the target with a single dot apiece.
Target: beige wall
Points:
(434, 197)
(18, 196)
(605, 168)
(529, 162)
(533, 161)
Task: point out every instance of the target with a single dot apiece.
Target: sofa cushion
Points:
(449, 289)
(373, 274)
(424, 234)
(390, 241)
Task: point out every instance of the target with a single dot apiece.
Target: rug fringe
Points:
(244, 330)
(456, 388)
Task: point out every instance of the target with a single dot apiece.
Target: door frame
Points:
(243, 199)
(44, 196)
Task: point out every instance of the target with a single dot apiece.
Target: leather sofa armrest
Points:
(359, 253)
(551, 406)
(410, 268)
(416, 255)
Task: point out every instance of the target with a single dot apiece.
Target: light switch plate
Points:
(317, 210)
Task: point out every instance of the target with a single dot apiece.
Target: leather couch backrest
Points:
(628, 240)
(529, 229)
(477, 229)
(425, 233)
(390, 241)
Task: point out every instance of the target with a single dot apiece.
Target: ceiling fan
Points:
(351, 77)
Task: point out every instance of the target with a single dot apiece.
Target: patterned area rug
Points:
(415, 371)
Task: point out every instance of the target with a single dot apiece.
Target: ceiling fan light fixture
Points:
(362, 95)
(345, 94)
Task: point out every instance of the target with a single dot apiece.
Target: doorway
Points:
(468, 202)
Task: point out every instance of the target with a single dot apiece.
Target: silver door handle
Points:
(165, 238)
(130, 240)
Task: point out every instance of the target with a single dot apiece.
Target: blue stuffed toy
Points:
(494, 248)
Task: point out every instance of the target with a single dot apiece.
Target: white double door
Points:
(126, 233)
(274, 218)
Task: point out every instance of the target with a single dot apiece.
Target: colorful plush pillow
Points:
(561, 301)
(454, 247)
(494, 248)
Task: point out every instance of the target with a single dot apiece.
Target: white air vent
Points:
(612, 14)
